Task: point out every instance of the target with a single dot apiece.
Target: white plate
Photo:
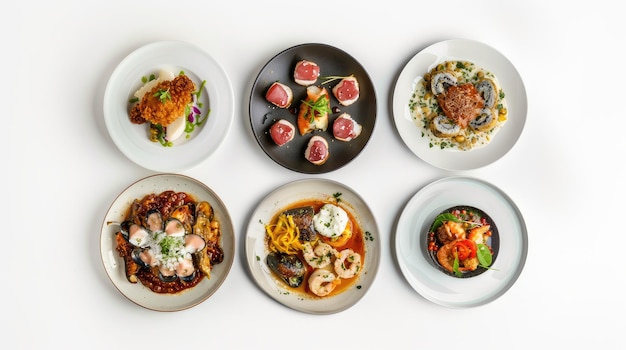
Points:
(132, 139)
(114, 264)
(483, 56)
(412, 230)
(256, 250)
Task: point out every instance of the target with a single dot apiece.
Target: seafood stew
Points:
(316, 248)
(463, 241)
(169, 241)
(458, 106)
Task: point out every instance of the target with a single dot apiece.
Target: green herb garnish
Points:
(441, 218)
(484, 259)
(330, 78)
(199, 92)
(145, 79)
(455, 266)
(163, 95)
(157, 134)
(320, 107)
(337, 196)
(484, 255)
(171, 246)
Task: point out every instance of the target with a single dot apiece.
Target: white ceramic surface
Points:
(411, 250)
(132, 140)
(483, 56)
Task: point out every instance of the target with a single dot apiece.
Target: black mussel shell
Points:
(188, 278)
(135, 255)
(186, 214)
(303, 218)
(164, 278)
(288, 268)
(154, 220)
(125, 228)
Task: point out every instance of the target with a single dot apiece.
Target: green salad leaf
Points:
(484, 255)
(441, 218)
(455, 266)
(163, 95)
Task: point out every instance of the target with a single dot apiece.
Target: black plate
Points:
(332, 62)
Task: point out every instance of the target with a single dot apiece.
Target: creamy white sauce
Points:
(330, 221)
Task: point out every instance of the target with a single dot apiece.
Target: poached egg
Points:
(331, 221)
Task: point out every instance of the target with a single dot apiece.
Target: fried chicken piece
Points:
(164, 111)
(461, 103)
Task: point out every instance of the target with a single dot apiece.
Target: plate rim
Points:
(294, 48)
(420, 287)
(293, 301)
(218, 88)
(228, 233)
(474, 51)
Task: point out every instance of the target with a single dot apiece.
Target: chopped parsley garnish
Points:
(163, 95)
(318, 108)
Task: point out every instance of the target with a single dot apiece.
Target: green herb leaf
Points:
(337, 196)
(484, 255)
(199, 92)
(320, 107)
(441, 218)
(163, 95)
(455, 266)
(157, 134)
(330, 78)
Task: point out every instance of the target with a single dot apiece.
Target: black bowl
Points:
(493, 242)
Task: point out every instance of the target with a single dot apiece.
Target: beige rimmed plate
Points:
(256, 250)
(114, 264)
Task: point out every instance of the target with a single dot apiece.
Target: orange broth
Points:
(356, 243)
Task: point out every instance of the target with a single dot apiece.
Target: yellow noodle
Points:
(283, 236)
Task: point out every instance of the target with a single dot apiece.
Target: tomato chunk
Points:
(465, 249)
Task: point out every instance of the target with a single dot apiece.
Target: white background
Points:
(62, 171)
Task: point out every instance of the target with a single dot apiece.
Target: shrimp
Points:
(319, 257)
(477, 234)
(450, 231)
(322, 282)
(446, 257)
(348, 264)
